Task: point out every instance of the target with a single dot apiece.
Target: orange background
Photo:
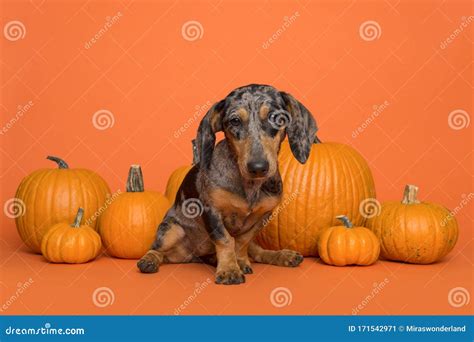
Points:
(152, 80)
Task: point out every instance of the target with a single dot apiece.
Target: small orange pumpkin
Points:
(413, 231)
(52, 196)
(175, 180)
(72, 244)
(334, 180)
(348, 245)
(128, 226)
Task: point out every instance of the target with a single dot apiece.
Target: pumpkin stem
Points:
(61, 163)
(135, 179)
(345, 220)
(317, 140)
(78, 219)
(409, 195)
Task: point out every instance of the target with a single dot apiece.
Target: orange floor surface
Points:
(393, 79)
(114, 286)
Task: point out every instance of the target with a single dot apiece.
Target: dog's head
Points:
(255, 120)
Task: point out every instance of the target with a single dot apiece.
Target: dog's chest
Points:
(238, 214)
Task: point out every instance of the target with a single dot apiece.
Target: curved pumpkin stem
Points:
(61, 163)
(78, 219)
(347, 223)
(409, 195)
(317, 140)
(135, 179)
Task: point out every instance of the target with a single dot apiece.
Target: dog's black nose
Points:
(258, 168)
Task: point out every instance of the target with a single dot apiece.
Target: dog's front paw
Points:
(289, 258)
(230, 277)
(245, 266)
(147, 265)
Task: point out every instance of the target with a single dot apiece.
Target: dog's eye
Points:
(235, 122)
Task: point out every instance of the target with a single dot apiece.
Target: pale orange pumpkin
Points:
(413, 231)
(175, 180)
(52, 196)
(335, 179)
(128, 226)
(72, 244)
(348, 245)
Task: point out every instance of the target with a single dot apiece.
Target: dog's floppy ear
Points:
(206, 135)
(301, 129)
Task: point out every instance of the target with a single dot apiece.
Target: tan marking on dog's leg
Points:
(241, 251)
(178, 254)
(242, 242)
(151, 261)
(284, 257)
(228, 271)
(167, 243)
(172, 237)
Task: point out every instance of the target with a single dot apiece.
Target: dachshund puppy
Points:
(232, 189)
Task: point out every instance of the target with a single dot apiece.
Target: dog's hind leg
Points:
(284, 257)
(208, 259)
(166, 247)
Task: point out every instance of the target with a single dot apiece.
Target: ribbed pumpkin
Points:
(348, 245)
(72, 244)
(128, 226)
(175, 180)
(334, 180)
(53, 195)
(413, 231)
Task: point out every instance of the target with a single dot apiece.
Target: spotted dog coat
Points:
(225, 198)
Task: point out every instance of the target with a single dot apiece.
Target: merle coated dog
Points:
(226, 197)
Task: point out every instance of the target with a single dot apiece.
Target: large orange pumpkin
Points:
(175, 180)
(71, 244)
(128, 226)
(334, 180)
(52, 196)
(348, 245)
(413, 231)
